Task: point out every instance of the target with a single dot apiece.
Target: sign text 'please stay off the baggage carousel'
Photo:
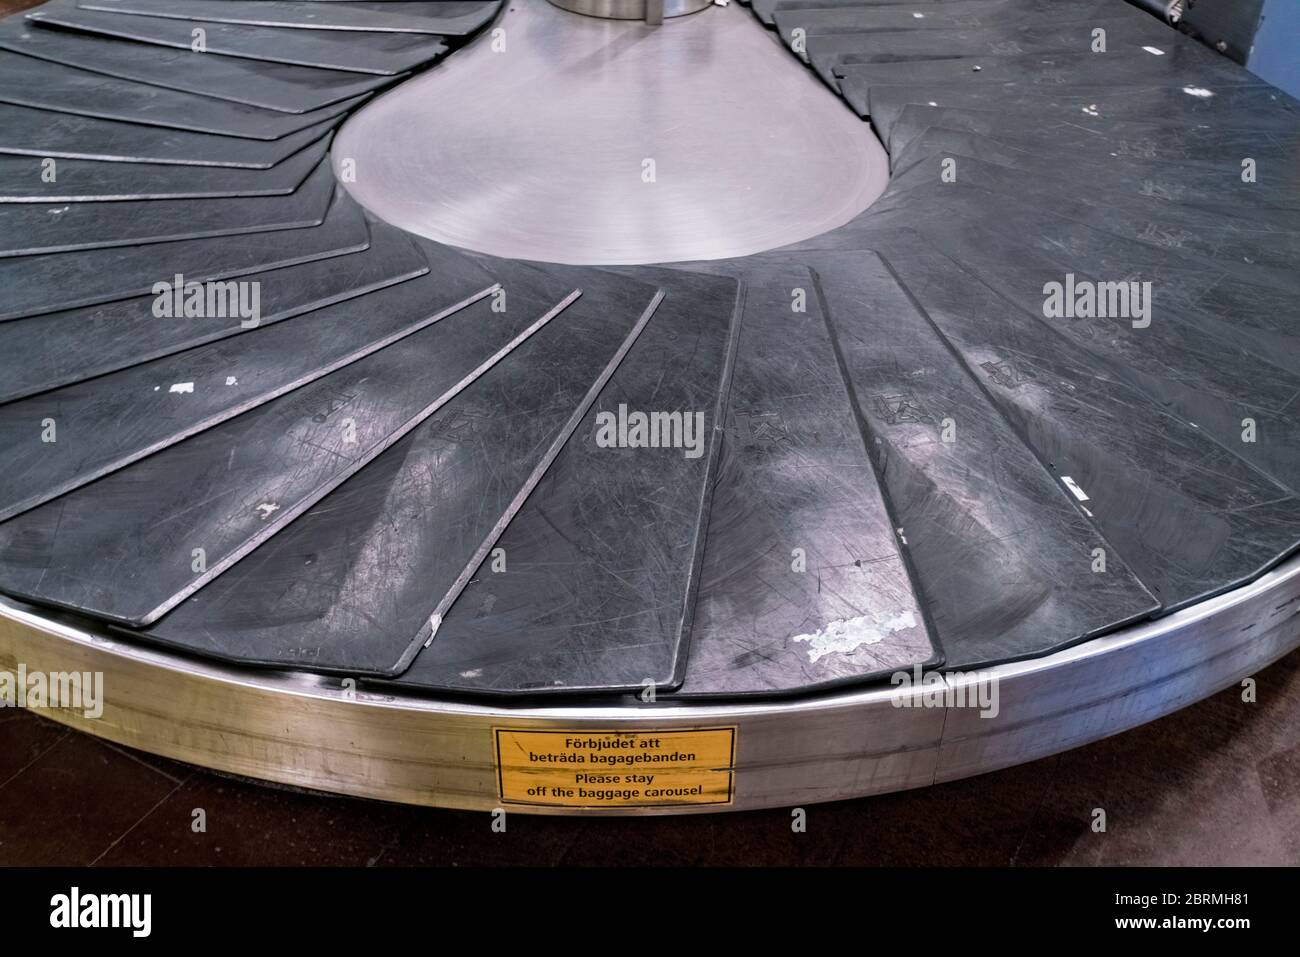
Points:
(615, 769)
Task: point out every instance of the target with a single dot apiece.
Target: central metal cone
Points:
(569, 139)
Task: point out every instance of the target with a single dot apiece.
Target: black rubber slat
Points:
(33, 229)
(40, 84)
(30, 132)
(1261, 249)
(1005, 560)
(803, 584)
(1175, 64)
(277, 461)
(34, 285)
(46, 352)
(1125, 27)
(1219, 187)
(382, 54)
(766, 9)
(272, 86)
(34, 179)
(1247, 108)
(1100, 140)
(409, 16)
(109, 422)
(603, 558)
(1188, 363)
(365, 570)
(1178, 276)
(971, 14)
(1190, 517)
(1255, 314)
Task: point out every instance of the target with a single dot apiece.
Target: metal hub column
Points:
(652, 11)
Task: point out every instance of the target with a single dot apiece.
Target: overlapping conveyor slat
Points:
(804, 583)
(606, 551)
(29, 81)
(273, 86)
(33, 229)
(382, 54)
(1090, 160)
(77, 181)
(414, 16)
(369, 573)
(37, 284)
(60, 348)
(394, 471)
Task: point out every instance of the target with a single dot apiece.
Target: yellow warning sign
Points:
(615, 768)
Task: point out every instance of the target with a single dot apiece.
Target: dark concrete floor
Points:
(1215, 784)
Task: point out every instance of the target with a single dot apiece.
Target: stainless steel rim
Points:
(306, 731)
(630, 9)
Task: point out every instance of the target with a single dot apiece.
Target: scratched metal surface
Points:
(272, 86)
(43, 85)
(573, 188)
(32, 132)
(382, 54)
(411, 16)
(46, 352)
(603, 559)
(107, 423)
(34, 229)
(81, 181)
(803, 584)
(35, 285)
(353, 583)
(276, 461)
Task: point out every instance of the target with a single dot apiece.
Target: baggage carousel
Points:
(641, 407)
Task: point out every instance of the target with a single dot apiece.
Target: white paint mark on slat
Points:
(1073, 486)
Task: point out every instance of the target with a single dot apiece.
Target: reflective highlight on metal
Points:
(575, 140)
(652, 11)
(308, 731)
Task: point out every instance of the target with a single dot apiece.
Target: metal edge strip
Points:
(307, 731)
